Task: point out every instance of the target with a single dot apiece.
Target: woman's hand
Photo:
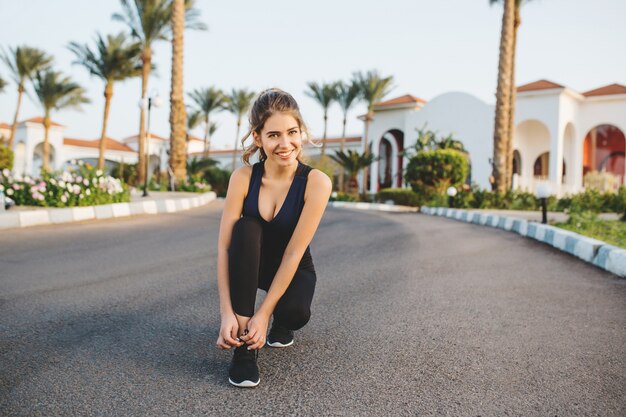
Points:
(257, 329)
(228, 332)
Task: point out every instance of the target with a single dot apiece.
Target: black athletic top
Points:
(277, 232)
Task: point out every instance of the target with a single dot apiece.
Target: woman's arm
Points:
(316, 196)
(233, 204)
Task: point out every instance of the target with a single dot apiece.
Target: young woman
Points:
(271, 212)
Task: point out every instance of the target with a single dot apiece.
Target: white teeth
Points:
(286, 154)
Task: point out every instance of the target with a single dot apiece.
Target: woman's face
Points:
(281, 138)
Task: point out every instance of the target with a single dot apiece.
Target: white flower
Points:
(53, 181)
(6, 172)
(86, 182)
(62, 184)
(88, 191)
(76, 189)
(9, 191)
(81, 196)
(79, 179)
(99, 172)
(64, 198)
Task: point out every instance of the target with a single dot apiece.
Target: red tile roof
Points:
(5, 126)
(405, 99)
(538, 85)
(111, 144)
(134, 138)
(39, 120)
(606, 90)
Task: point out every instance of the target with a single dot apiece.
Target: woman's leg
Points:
(293, 310)
(244, 257)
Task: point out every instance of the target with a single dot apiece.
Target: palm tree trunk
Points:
(509, 151)
(178, 117)
(341, 147)
(46, 143)
(206, 135)
(324, 140)
(146, 59)
(368, 119)
(235, 148)
(108, 93)
(503, 95)
(20, 93)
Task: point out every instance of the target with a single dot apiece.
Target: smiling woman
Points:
(264, 237)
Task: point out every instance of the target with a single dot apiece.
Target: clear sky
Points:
(430, 48)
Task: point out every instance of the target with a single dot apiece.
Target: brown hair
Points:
(269, 102)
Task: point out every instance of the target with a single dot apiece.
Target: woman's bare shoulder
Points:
(240, 178)
(320, 184)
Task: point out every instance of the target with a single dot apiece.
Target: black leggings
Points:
(245, 256)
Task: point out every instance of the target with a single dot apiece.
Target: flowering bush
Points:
(195, 185)
(83, 187)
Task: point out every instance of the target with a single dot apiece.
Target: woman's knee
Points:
(293, 316)
(248, 225)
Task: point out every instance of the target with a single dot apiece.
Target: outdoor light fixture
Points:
(146, 103)
(451, 193)
(543, 192)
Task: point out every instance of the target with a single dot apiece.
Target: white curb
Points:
(106, 211)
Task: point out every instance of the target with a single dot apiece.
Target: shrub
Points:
(401, 196)
(6, 158)
(430, 172)
(218, 179)
(84, 187)
(337, 196)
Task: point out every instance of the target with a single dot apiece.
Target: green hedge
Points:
(431, 172)
(400, 196)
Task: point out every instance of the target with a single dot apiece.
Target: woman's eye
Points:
(293, 132)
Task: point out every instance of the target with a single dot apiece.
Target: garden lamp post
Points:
(451, 193)
(543, 192)
(146, 103)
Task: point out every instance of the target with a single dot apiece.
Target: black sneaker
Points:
(243, 370)
(279, 337)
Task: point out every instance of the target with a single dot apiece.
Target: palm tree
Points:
(502, 122)
(207, 101)
(347, 95)
(373, 88)
(352, 162)
(178, 118)
(324, 94)
(149, 21)
(517, 21)
(23, 63)
(3, 84)
(55, 92)
(238, 103)
(113, 59)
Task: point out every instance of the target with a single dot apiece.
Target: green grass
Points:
(609, 231)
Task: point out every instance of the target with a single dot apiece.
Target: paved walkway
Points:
(412, 315)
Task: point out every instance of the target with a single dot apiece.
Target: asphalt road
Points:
(412, 315)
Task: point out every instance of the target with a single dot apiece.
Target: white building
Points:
(29, 138)
(559, 134)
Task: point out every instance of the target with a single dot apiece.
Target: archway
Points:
(389, 167)
(531, 143)
(19, 159)
(38, 159)
(384, 163)
(603, 151)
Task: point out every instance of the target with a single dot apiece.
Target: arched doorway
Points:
(38, 159)
(531, 143)
(389, 167)
(19, 159)
(384, 163)
(603, 151)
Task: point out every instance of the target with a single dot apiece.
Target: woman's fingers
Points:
(233, 336)
(258, 344)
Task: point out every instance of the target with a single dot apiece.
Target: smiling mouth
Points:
(285, 153)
